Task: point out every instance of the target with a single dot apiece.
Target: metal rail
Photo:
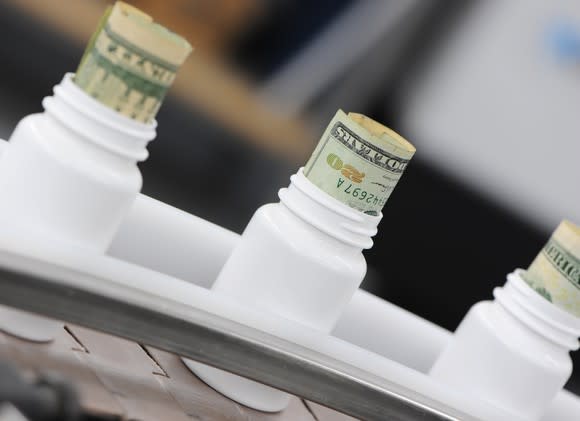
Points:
(218, 342)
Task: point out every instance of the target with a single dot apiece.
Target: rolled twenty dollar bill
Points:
(130, 62)
(359, 162)
(555, 272)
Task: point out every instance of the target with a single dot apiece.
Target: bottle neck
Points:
(339, 221)
(98, 127)
(551, 323)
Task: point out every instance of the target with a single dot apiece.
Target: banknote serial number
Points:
(360, 194)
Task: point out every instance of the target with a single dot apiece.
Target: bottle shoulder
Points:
(276, 220)
(38, 134)
(516, 336)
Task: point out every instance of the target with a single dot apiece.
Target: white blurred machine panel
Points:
(498, 106)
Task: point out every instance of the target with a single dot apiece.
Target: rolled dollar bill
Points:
(555, 272)
(359, 162)
(130, 62)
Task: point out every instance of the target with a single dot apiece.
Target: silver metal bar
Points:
(207, 339)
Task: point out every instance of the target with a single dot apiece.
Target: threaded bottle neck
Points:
(119, 135)
(327, 214)
(538, 314)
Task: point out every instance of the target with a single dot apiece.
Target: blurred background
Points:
(488, 91)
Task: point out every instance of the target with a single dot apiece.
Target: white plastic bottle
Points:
(300, 258)
(166, 239)
(512, 352)
(69, 175)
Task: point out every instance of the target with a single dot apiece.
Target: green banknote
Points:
(359, 162)
(555, 272)
(130, 62)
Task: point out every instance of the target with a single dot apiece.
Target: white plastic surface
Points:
(512, 352)
(390, 331)
(25, 325)
(168, 240)
(565, 407)
(323, 212)
(553, 324)
(368, 322)
(125, 281)
(398, 340)
(68, 175)
(300, 259)
(293, 262)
